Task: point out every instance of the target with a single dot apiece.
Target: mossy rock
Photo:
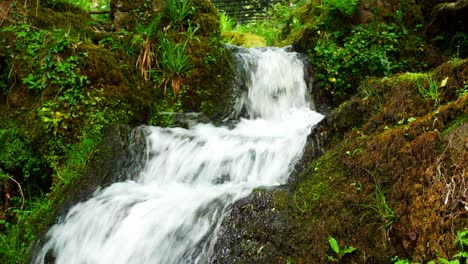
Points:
(207, 17)
(76, 23)
(246, 40)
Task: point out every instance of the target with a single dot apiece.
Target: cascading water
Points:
(172, 211)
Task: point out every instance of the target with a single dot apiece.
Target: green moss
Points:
(207, 17)
(75, 24)
(246, 40)
(460, 121)
(318, 178)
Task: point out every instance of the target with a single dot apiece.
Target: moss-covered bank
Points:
(392, 182)
(65, 78)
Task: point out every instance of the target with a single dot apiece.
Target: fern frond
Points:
(462, 238)
(461, 254)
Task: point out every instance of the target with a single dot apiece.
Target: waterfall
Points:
(172, 211)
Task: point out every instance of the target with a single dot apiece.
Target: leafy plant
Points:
(226, 23)
(432, 90)
(47, 60)
(340, 252)
(368, 50)
(16, 153)
(461, 240)
(179, 10)
(346, 7)
(143, 39)
(397, 260)
(19, 233)
(174, 62)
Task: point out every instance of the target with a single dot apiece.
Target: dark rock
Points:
(120, 157)
(255, 230)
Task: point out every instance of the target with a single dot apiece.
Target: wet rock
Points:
(255, 230)
(120, 157)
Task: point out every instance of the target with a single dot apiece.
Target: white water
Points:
(172, 212)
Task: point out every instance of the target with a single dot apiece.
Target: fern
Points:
(462, 239)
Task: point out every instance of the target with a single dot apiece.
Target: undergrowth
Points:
(343, 60)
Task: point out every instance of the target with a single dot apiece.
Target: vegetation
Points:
(65, 76)
(347, 7)
(340, 252)
(368, 50)
(393, 171)
(270, 29)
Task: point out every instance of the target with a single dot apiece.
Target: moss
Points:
(207, 17)
(246, 40)
(77, 24)
(62, 7)
(208, 86)
(382, 186)
(460, 121)
(386, 152)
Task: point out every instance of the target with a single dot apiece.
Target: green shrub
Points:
(368, 50)
(16, 154)
(174, 63)
(340, 252)
(345, 7)
(47, 60)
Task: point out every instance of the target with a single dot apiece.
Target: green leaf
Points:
(333, 244)
(444, 261)
(461, 254)
(443, 83)
(347, 250)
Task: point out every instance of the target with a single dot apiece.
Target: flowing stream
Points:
(172, 211)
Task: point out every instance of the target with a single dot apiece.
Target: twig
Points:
(19, 186)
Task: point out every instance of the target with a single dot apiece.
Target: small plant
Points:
(225, 22)
(143, 39)
(432, 90)
(381, 207)
(179, 10)
(397, 260)
(462, 241)
(48, 60)
(340, 252)
(302, 208)
(19, 233)
(174, 62)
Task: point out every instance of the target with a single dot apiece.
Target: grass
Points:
(381, 206)
(174, 62)
(179, 10)
(428, 86)
(20, 232)
(430, 91)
